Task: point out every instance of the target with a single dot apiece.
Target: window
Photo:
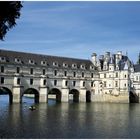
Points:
(2, 69)
(83, 84)
(116, 74)
(104, 83)
(18, 69)
(31, 61)
(91, 75)
(55, 72)
(83, 66)
(91, 84)
(104, 75)
(18, 81)
(74, 65)
(55, 64)
(44, 82)
(92, 67)
(55, 82)
(2, 80)
(17, 60)
(65, 73)
(74, 74)
(82, 74)
(116, 83)
(66, 83)
(44, 71)
(137, 78)
(2, 59)
(125, 76)
(31, 81)
(43, 62)
(65, 65)
(31, 71)
(125, 84)
(74, 83)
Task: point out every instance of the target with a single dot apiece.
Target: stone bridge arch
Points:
(75, 94)
(57, 92)
(6, 91)
(88, 96)
(133, 97)
(32, 91)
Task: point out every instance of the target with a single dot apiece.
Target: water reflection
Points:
(69, 120)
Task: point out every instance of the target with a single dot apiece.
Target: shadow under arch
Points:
(7, 91)
(75, 94)
(88, 96)
(133, 97)
(32, 91)
(57, 92)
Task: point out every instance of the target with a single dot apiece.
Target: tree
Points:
(138, 62)
(9, 12)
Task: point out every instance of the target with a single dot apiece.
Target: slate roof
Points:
(121, 63)
(37, 58)
(137, 68)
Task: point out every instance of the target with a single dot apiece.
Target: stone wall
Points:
(110, 98)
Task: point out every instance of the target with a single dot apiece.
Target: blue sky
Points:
(76, 29)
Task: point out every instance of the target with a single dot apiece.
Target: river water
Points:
(69, 120)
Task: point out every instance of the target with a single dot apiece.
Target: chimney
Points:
(94, 58)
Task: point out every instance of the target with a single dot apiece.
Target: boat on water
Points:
(32, 107)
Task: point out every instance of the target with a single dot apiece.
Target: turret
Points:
(101, 60)
(105, 65)
(106, 60)
(94, 59)
(99, 65)
(116, 59)
(107, 56)
(111, 64)
(119, 54)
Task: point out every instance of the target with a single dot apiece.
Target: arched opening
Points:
(55, 94)
(75, 94)
(88, 96)
(133, 98)
(32, 93)
(5, 91)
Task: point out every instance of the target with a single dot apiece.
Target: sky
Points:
(76, 29)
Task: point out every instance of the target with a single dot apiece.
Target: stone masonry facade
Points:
(106, 78)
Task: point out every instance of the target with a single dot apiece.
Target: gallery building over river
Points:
(107, 78)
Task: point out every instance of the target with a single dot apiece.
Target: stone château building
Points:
(110, 78)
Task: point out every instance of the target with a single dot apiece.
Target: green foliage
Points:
(9, 12)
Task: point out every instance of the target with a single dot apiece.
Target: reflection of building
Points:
(110, 78)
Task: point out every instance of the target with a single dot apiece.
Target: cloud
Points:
(76, 29)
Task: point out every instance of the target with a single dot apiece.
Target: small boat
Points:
(32, 107)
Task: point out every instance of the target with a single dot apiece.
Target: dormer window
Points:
(17, 60)
(3, 59)
(83, 66)
(43, 63)
(65, 65)
(31, 61)
(55, 64)
(74, 65)
(92, 67)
